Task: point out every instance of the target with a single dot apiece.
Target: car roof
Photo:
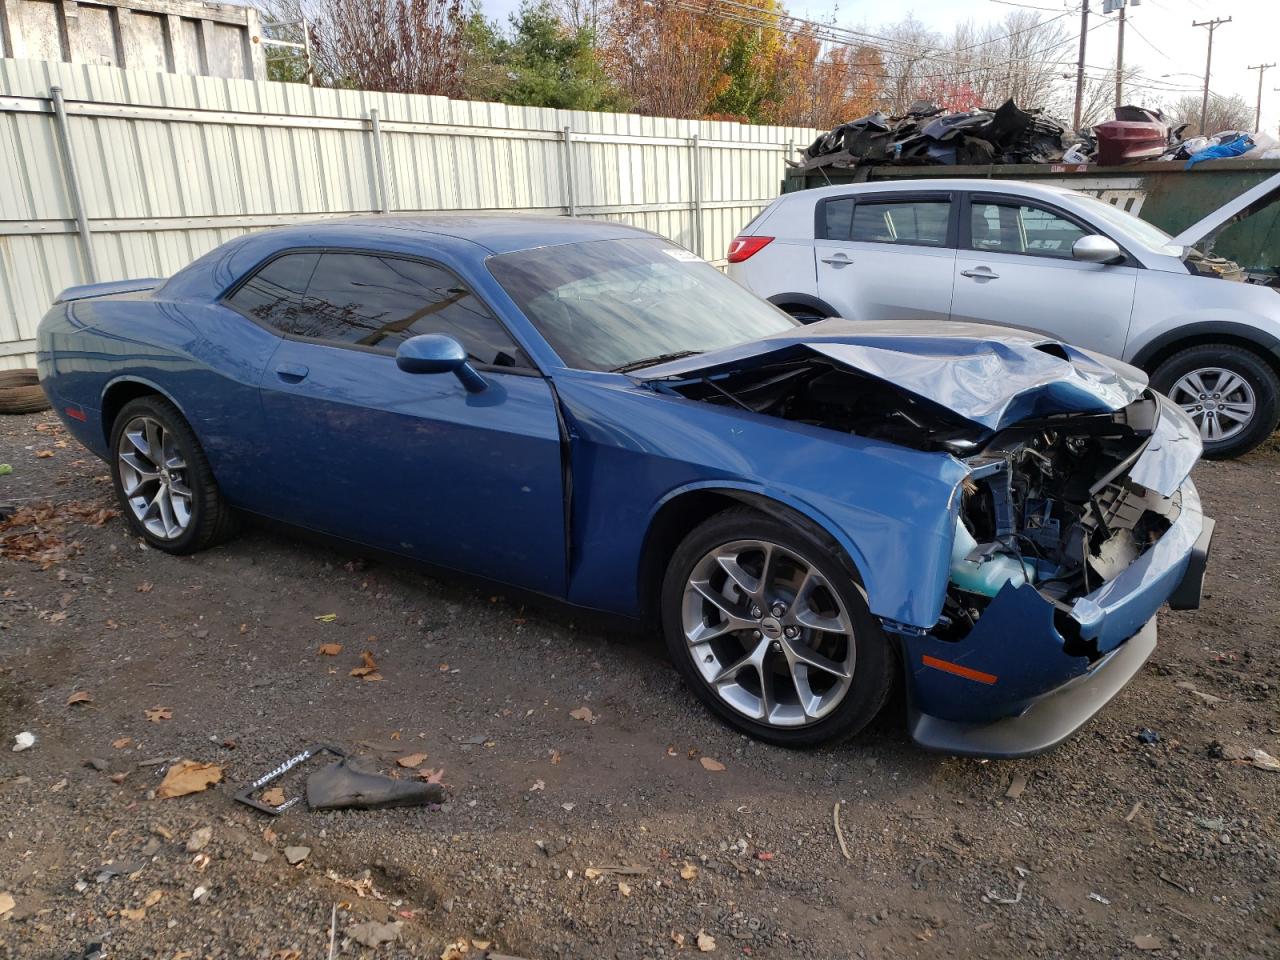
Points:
(466, 236)
(938, 185)
(496, 232)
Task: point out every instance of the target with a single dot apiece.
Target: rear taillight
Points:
(744, 248)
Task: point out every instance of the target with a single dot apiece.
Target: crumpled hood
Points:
(992, 376)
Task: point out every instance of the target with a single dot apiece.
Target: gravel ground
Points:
(1107, 847)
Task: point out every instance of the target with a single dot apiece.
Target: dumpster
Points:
(1162, 193)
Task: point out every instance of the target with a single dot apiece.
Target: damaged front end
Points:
(1075, 523)
(1070, 534)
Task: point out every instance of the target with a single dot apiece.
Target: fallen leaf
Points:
(1146, 941)
(44, 454)
(188, 776)
(133, 916)
(330, 649)
(591, 873)
(432, 776)
(122, 742)
(624, 888)
(273, 797)
(412, 760)
(456, 950)
(715, 766)
(706, 942)
(156, 714)
(395, 734)
(688, 871)
(368, 667)
(677, 938)
(268, 835)
(118, 778)
(584, 714)
(537, 785)
(555, 757)
(327, 617)
(80, 696)
(153, 898)
(144, 587)
(480, 944)
(6, 903)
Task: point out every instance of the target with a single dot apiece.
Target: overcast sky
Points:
(1160, 38)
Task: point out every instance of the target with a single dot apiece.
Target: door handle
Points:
(837, 260)
(981, 273)
(292, 372)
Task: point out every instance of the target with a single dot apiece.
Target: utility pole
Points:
(1208, 67)
(1084, 33)
(1113, 6)
(1120, 63)
(1261, 68)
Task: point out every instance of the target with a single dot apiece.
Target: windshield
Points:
(1149, 236)
(611, 304)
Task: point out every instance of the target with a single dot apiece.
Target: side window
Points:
(273, 295)
(1019, 228)
(839, 218)
(371, 301)
(911, 222)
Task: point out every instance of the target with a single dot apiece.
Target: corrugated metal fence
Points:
(111, 174)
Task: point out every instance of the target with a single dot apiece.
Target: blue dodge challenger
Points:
(587, 411)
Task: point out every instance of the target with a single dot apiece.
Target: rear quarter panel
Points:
(204, 358)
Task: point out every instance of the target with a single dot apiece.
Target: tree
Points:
(1225, 113)
(544, 63)
(664, 58)
(394, 46)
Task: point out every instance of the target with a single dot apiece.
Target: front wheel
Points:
(163, 481)
(1231, 394)
(772, 633)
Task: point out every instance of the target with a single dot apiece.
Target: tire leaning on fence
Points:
(20, 392)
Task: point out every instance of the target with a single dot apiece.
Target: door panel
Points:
(1016, 270)
(414, 464)
(886, 258)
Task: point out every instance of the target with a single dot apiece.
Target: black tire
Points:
(20, 392)
(874, 658)
(212, 519)
(1246, 364)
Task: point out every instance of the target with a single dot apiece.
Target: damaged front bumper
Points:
(1012, 686)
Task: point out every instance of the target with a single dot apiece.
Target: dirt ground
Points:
(1113, 847)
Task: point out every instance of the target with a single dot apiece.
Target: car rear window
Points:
(913, 222)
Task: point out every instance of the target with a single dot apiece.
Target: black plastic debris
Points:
(1147, 736)
(348, 785)
(925, 134)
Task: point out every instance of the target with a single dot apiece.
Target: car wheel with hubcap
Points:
(163, 481)
(772, 632)
(1231, 394)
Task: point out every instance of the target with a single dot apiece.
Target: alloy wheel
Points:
(768, 633)
(1220, 401)
(153, 476)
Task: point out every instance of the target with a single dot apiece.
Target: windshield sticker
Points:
(684, 256)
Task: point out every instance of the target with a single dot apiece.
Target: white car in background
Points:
(1042, 258)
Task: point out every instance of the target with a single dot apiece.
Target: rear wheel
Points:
(1231, 394)
(772, 633)
(163, 481)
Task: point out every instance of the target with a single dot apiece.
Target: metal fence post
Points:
(695, 163)
(380, 162)
(73, 180)
(570, 181)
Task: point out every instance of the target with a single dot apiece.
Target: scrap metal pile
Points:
(926, 134)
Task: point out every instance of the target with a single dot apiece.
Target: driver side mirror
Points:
(436, 353)
(1096, 249)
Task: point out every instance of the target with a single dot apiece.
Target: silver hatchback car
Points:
(1041, 258)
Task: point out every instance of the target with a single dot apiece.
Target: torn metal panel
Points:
(990, 376)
